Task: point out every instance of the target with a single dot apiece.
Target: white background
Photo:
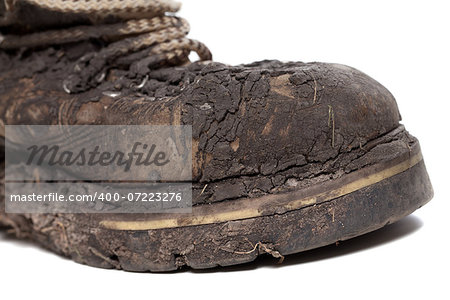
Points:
(404, 45)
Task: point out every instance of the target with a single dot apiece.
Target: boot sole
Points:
(236, 232)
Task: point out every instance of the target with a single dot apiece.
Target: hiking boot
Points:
(286, 157)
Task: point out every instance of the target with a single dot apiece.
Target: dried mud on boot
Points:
(286, 157)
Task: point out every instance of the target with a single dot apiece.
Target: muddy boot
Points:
(286, 157)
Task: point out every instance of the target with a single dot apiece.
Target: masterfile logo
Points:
(52, 154)
(112, 152)
(98, 169)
